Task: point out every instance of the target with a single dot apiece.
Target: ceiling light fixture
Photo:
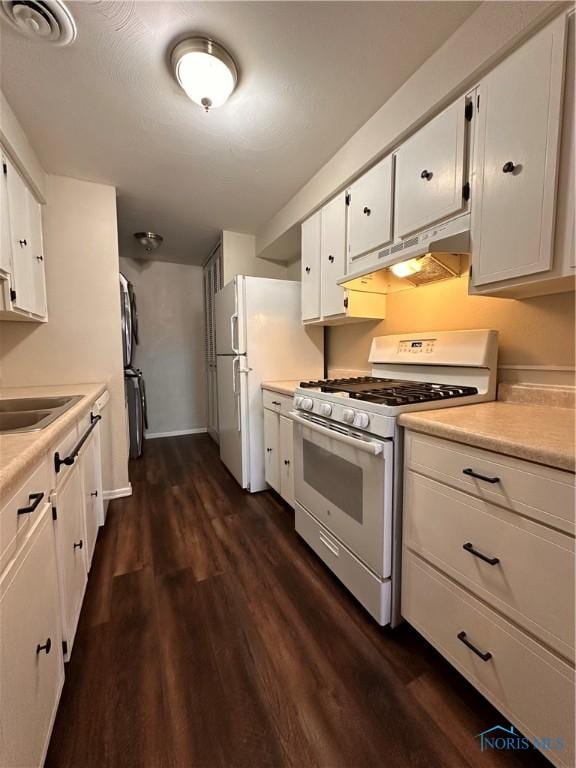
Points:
(150, 241)
(205, 70)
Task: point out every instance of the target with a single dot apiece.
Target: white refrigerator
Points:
(259, 337)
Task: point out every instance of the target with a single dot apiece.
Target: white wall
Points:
(484, 38)
(171, 350)
(239, 258)
(81, 342)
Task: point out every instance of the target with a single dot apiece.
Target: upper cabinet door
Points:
(311, 234)
(430, 172)
(370, 210)
(515, 164)
(333, 255)
(5, 237)
(36, 255)
(20, 246)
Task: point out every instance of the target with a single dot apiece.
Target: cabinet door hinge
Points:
(346, 302)
(64, 647)
(466, 191)
(12, 294)
(54, 513)
(469, 111)
(4, 168)
(348, 198)
(478, 103)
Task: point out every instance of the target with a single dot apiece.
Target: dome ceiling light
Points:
(150, 241)
(205, 70)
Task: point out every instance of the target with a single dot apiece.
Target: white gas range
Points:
(348, 451)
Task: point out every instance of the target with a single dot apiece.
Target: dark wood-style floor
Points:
(212, 636)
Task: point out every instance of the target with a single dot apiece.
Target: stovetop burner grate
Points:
(390, 391)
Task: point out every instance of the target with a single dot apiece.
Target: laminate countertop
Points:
(286, 387)
(20, 452)
(539, 433)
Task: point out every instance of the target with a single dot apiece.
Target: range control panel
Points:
(416, 346)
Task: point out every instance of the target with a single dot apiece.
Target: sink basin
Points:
(29, 414)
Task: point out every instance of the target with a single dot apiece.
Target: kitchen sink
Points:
(29, 414)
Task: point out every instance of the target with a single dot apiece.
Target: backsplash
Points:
(536, 335)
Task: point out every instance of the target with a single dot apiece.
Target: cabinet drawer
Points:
(543, 493)
(533, 559)
(275, 402)
(527, 683)
(374, 594)
(31, 677)
(15, 523)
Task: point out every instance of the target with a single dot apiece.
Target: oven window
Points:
(334, 478)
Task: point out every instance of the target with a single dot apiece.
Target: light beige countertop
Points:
(20, 452)
(286, 387)
(539, 433)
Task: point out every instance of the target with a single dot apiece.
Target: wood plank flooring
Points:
(211, 636)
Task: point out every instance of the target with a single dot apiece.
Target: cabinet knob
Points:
(286, 462)
(508, 167)
(331, 259)
(46, 647)
(79, 544)
(94, 493)
(426, 175)
(268, 450)
(307, 270)
(23, 243)
(367, 210)
(40, 258)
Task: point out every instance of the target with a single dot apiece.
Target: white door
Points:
(92, 484)
(287, 459)
(311, 238)
(70, 539)
(516, 160)
(233, 417)
(37, 257)
(272, 449)
(31, 664)
(22, 265)
(370, 210)
(430, 172)
(333, 255)
(345, 482)
(230, 336)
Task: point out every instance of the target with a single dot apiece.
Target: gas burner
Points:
(390, 391)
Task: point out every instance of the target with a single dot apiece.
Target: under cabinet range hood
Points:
(427, 257)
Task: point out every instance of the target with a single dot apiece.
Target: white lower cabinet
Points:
(68, 501)
(278, 445)
(490, 584)
(91, 465)
(31, 663)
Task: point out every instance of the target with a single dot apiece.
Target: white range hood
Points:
(439, 251)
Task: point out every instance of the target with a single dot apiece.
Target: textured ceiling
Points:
(311, 73)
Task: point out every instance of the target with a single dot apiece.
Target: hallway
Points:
(211, 636)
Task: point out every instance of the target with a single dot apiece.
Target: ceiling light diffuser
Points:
(205, 70)
(150, 241)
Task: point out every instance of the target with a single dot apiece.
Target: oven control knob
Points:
(326, 409)
(348, 416)
(362, 420)
(307, 404)
(297, 402)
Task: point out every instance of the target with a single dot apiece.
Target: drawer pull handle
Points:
(46, 647)
(34, 499)
(470, 548)
(471, 473)
(486, 656)
(276, 402)
(78, 545)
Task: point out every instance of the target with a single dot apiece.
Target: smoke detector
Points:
(47, 21)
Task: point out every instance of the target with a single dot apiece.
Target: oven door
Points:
(344, 479)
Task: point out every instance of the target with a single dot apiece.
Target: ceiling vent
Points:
(47, 21)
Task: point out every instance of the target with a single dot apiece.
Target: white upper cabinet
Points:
(516, 160)
(22, 258)
(430, 172)
(311, 238)
(370, 211)
(333, 256)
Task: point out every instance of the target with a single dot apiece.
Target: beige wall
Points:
(171, 351)
(239, 258)
(536, 335)
(81, 342)
(293, 270)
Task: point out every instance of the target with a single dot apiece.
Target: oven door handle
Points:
(368, 446)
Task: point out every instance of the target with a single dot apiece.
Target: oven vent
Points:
(433, 269)
(46, 21)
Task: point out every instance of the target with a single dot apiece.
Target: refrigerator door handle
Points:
(235, 369)
(233, 332)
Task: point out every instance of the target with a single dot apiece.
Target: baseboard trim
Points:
(117, 493)
(176, 433)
